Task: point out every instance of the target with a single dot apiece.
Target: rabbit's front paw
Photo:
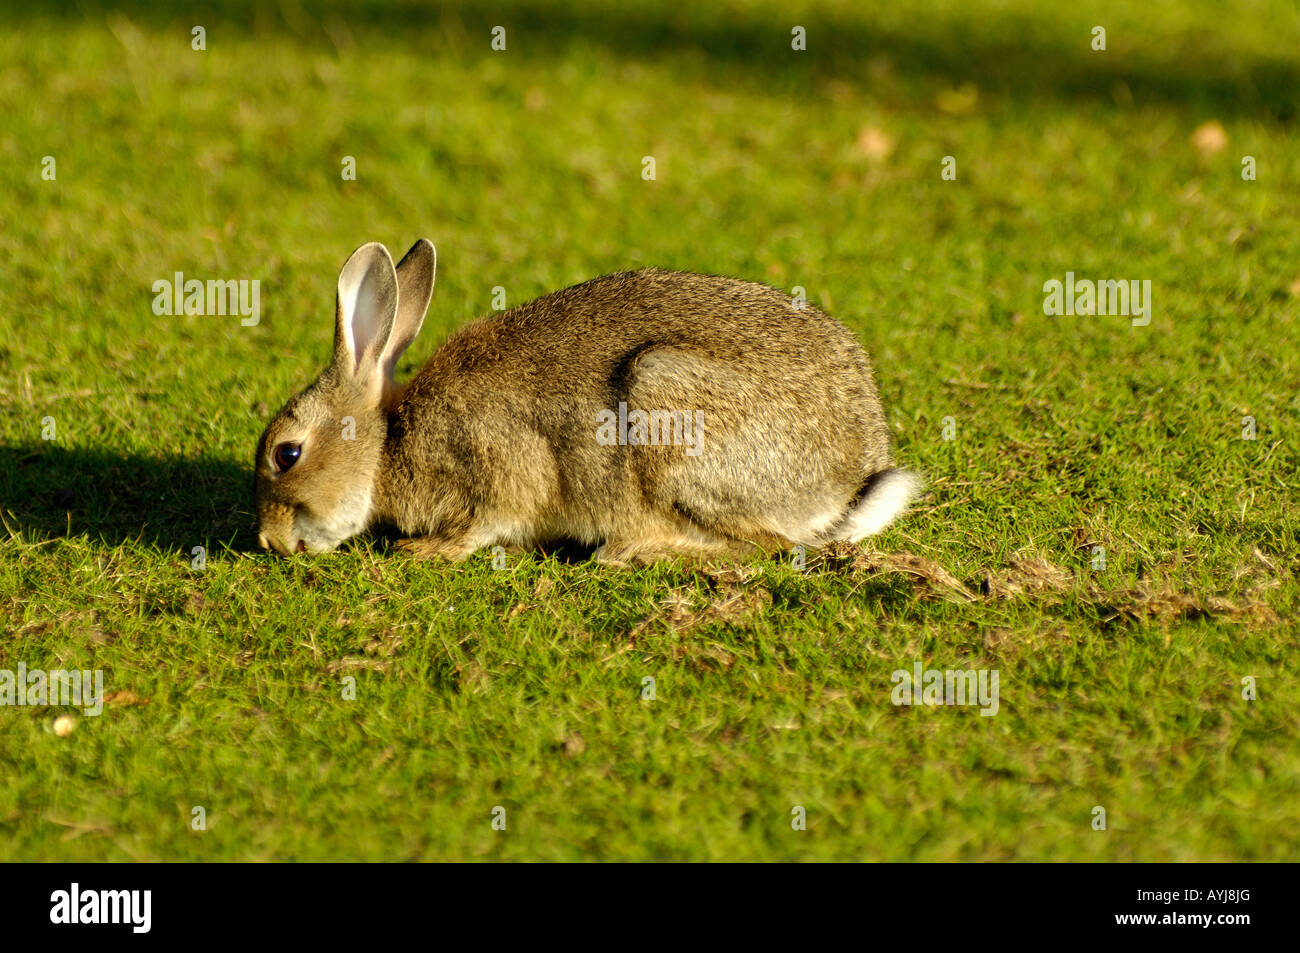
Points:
(435, 547)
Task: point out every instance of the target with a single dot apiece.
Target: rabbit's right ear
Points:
(366, 312)
(415, 273)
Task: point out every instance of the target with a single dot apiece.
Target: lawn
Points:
(1110, 521)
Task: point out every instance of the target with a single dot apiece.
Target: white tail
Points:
(891, 491)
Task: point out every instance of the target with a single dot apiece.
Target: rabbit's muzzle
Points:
(277, 530)
(270, 542)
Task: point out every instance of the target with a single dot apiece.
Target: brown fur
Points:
(494, 442)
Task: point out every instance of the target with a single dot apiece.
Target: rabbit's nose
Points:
(274, 544)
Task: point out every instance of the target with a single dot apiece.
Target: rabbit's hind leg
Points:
(647, 550)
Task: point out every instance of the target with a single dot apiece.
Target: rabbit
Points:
(765, 427)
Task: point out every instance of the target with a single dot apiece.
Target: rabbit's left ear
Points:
(366, 313)
(415, 274)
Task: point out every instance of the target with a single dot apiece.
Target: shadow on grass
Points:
(173, 503)
(1003, 53)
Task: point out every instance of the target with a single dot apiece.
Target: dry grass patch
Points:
(1045, 582)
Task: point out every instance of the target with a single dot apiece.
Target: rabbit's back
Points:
(583, 341)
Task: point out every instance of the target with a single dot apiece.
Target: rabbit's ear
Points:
(415, 274)
(367, 310)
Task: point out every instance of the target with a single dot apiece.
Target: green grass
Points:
(479, 687)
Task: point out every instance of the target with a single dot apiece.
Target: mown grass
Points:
(522, 688)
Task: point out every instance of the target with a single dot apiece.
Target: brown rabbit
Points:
(651, 413)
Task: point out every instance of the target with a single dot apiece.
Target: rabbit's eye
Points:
(286, 455)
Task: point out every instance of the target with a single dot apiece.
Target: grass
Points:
(522, 688)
